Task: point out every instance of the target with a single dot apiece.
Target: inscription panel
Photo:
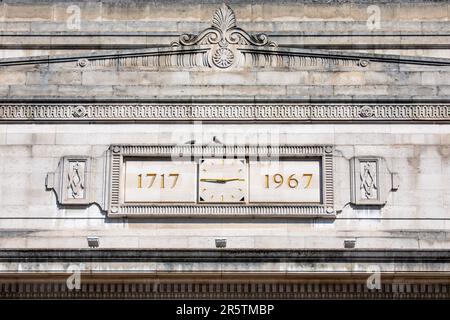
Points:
(220, 181)
(285, 181)
(159, 181)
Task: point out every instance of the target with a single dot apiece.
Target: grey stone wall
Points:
(415, 216)
(31, 28)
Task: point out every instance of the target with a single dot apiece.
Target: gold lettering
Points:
(278, 178)
(139, 181)
(176, 175)
(292, 182)
(162, 181)
(153, 175)
(309, 179)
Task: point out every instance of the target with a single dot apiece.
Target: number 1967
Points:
(278, 180)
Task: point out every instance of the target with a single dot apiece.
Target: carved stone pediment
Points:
(224, 38)
(225, 46)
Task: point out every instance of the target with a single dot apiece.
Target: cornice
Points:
(225, 255)
(328, 56)
(223, 285)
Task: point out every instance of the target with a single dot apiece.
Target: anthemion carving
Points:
(224, 37)
(224, 32)
(224, 112)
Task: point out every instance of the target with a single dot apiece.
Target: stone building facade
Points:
(137, 139)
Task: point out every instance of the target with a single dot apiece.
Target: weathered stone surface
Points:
(423, 171)
(89, 90)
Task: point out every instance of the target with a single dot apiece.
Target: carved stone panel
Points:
(214, 181)
(70, 181)
(369, 181)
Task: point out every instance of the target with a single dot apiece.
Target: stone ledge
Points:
(224, 255)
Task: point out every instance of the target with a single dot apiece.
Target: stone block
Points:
(27, 12)
(416, 139)
(436, 78)
(198, 90)
(311, 91)
(162, 242)
(60, 150)
(410, 90)
(281, 78)
(222, 78)
(393, 243)
(359, 90)
(85, 91)
(276, 90)
(364, 139)
(337, 78)
(209, 242)
(12, 78)
(443, 91)
(33, 91)
(65, 78)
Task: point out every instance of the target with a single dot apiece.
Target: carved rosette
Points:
(223, 58)
(79, 111)
(223, 37)
(366, 112)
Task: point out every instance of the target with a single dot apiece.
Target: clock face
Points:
(222, 181)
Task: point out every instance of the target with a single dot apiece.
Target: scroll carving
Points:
(224, 31)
